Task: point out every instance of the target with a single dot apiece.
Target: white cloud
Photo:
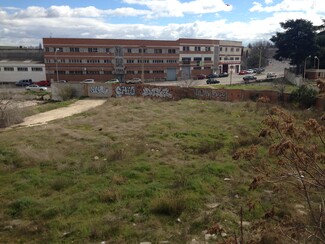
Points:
(290, 5)
(176, 8)
(28, 26)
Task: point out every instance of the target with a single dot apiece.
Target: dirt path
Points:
(59, 113)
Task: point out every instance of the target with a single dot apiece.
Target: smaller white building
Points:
(12, 71)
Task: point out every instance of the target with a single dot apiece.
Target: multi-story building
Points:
(103, 59)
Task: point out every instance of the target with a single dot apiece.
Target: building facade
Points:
(151, 60)
(12, 71)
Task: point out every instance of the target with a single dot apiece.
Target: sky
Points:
(26, 22)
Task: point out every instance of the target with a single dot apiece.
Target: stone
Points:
(212, 205)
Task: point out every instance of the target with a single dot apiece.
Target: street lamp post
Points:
(231, 68)
(305, 67)
(56, 64)
(317, 65)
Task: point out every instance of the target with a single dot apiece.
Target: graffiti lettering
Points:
(125, 91)
(156, 92)
(98, 90)
(210, 93)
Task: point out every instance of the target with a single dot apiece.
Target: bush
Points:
(304, 96)
(66, 92)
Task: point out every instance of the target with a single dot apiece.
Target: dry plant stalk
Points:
(300, 162)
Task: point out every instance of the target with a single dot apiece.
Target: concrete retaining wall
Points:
(98, 90)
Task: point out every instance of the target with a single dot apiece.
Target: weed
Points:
(168, 204)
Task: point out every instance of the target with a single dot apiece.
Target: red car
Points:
(243, 72)
(43, 83)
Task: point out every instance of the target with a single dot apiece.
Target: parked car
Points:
(88, 81)
(212, 76)
(201, 76)
(212, 81)
(271, 75)
(35, 87)
(134, 81)
(43, 83)
(247, 78)
(250, 71)
(243, 72)
(24, 82)
(224, 74)
(112, 81)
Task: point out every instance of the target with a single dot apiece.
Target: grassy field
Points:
(137, 170)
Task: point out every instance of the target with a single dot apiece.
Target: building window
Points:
(171, 50)
(220, 49)
(75, 72)
(197, 59)
(74, 49)
(186, 60)
(226, 49)
(47, 49)
(157, 61)
(107, 61)
(197, 48)
(186, 48)
(231, 58)
(129, 50)
(37, 69)
(196, 67)
(158, 51)
(171, 61)
(92, 72)
(22, 69)
(130, 72)
(92, 50)
(140, 50)
(236, 58)
(93, 61)
(207, 49)
(231, 49)
(158, 72)
(237, 49)
(108, 72)
(207, 59)
(8, 68)
(130, 61)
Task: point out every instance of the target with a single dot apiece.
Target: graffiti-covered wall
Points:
(101, 90)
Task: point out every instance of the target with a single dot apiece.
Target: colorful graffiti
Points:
(98, 90)
(156, 92)
(125, 91)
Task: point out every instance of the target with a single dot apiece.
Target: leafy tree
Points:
(297, 42)
(258, 54)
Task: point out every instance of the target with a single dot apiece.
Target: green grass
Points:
(126, 171)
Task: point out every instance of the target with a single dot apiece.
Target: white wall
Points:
(15, 75)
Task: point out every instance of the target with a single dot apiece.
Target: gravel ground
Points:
(75, 108)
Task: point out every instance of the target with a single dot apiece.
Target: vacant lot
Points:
(135, 170)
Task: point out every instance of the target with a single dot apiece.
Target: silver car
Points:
(35, 87)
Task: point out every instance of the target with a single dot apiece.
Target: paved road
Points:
(274, 66)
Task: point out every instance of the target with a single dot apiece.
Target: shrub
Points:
(66, 92)
(304, 96)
